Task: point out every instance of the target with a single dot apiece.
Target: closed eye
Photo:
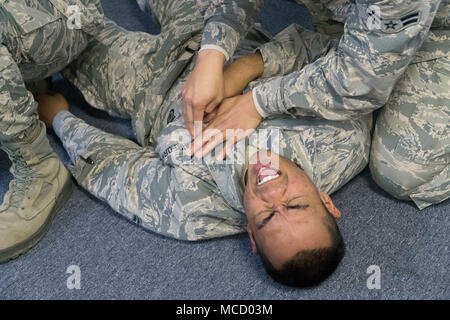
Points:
(298, 207)
(264, 222)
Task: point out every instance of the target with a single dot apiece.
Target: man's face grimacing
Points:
(290, 223)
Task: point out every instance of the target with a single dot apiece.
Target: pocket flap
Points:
(27, 19)
(89, 15)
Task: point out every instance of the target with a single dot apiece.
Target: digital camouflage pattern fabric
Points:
(36, 41)
(153, 182)
(378, 52)
(410, 155)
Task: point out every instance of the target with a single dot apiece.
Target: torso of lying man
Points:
(167, 191)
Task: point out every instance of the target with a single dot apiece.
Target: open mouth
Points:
(266, 174)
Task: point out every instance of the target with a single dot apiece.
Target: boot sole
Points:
(24, 246)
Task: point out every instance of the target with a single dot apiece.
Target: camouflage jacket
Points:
(167, 192)
(27, 28)
(358, 73)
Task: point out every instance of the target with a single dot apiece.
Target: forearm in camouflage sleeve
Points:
(358, 76)
(227, 23)
(136, 183)
(292, 49)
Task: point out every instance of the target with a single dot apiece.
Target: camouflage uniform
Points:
(152, 182)
(410, 156)
(36, 42)
(37, 38)
(359, 73)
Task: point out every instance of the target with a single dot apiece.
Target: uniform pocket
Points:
(40, 36)
(85, 15)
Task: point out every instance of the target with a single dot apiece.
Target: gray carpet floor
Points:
(118, 260)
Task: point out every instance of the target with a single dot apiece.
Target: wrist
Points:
(252, 105)
(255, 65)
(214, 58)
(257, 106)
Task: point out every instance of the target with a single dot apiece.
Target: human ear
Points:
(328, 203)
(252, 241)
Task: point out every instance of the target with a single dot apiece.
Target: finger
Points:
(188, 118)
(210, 116)
(197, 115)
(183, 104)
(202, 139)
(211, 106)
(196, 145)
(183, 111)
(198, 125)
(208, 134)
(231, 141)
(210, 144)
(199, 141)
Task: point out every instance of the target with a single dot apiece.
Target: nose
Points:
(273, 193)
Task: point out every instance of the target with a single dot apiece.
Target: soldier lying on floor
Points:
(276, 186)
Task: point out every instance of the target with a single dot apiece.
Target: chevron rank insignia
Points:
(397, 25)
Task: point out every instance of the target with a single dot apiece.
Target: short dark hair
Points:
(308, 268)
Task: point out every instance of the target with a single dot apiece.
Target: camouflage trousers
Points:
(410, 156)
(35, 41)
(18, 110)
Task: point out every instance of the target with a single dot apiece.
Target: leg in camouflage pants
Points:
(410, 155)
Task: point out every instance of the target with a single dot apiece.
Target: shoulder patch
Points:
(395, 24)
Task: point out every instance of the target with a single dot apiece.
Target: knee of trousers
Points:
(385, 169)
(410, 143)
(395, 171)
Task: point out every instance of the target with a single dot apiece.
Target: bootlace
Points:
(22, 176)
